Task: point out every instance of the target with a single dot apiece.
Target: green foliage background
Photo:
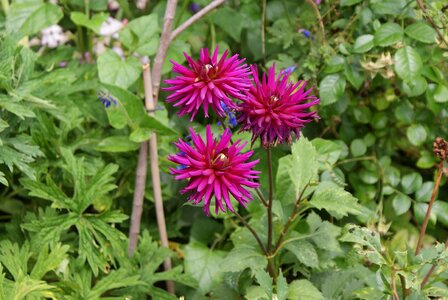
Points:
(67, 163)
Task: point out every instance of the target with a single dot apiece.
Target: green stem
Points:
(181, 13)
(271, 263)
(254, 233)
(263, 32)
(5, 6)
(271, 197)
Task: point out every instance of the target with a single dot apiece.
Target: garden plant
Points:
(212, 149)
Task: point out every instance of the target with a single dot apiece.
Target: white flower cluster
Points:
(53, 36)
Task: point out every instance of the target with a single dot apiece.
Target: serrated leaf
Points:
(282, 286)
(305, 252)
(388, 34)
(303, 290)
(265, 281)
(243, 257)
(421, 32)
(204, 265)
(304, 166)
(408, 63)
(334, 199)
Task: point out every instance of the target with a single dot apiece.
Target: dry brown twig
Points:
(428, 18)
(151, 87)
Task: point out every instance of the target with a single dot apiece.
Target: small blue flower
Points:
(106, 99)
(232, 120)
(181, 167)
(289, 70)
(194, 7)
(306, 33)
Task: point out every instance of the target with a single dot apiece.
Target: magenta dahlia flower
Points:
(215, 168)
(275, 108)
(208, 82)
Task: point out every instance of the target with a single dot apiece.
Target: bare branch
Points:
(165, 41)
(139, 193)
(214, 4)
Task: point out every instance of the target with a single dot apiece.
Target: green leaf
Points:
(369, 239)
(389, 7)
(331, 89)
(363, 43)
(408, 63)
(282, 286)
(230, 22)
(358, 147)
(411, 182)
(420, 210)
(354, 76)
(204, 265)
(265, 281)
(285, 189)
(243, 257)
(31, 17)
(334, 199)
(416, 134)
(116, 144)
(441, 93)
(388, 34)
(441, 209)
(303, 290)
(401, 203)
(141, 35)
(349, 2)
(113, 70)
(135, 113)
(423, 194)
(115, 279)
(304, 167)
(305, 252)
(323, 234)
(93, 23)
(328, 152)
(415, 88)
(176, 53)
(421, 32)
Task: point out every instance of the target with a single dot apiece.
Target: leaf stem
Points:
(254, 233)
(433, 268)
(428, 211)
(291, 218)
(271, 197)
(263, 32)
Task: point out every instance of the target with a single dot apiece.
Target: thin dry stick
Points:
(433, 268)
(211, 6)
(155, 173)
(428, 212)
(139, 194)
(421, 5)
(165, 41)
(263, 29)
(319, 18)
